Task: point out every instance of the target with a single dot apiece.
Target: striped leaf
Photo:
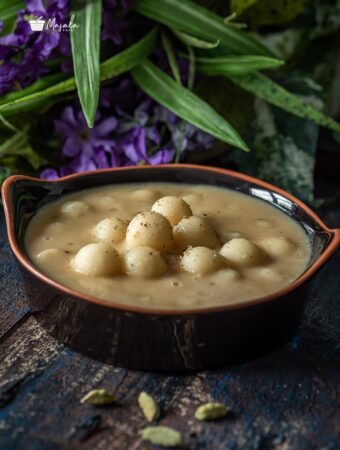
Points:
(193, 41)
(193, 19)
(9, 8)
(170, 53)
(184, 103)
(236, 64)
(275, 94)
(85, 43)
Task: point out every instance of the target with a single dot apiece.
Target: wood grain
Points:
(13, 305)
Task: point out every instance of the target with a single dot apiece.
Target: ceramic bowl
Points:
(156, 339)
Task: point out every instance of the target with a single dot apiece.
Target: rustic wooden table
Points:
(287, 399)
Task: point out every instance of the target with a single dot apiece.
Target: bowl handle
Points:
(336, 232)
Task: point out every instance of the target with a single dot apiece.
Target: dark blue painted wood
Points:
(288, 399)
(13, 305)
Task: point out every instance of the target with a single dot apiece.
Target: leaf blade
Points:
(85, 43)
(170, 53)
(192, 68)
(236, 64)
(200, 22)
(239, 6)
(275, 94)
(184, 103)
(18, 145)
(192, 41)
(9, 9)
(39, 85)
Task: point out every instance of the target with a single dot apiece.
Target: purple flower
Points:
(112, 29)
(79, 139)
(163, 156)
(88, 148)
(29, 49)
(8, 74)
(134, 146)
(82, 164)
(130, 128)
(113, 25)
(49, 174)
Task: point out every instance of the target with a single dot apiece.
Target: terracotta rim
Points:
(26, 263)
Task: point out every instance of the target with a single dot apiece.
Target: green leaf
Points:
(171, 56)
(275, 94)
(233, 103)
(39, 86)
(9, 4)
(5, 172)
(8, 16)
(239, 6)
(129, 58)
(184, 103)
(192, 68)
(85, 43)
(269, 12)
(116, 65)
(18, 145)
(193, 41)
(229, 20)
(236, 64)
(39, 106)
(7, 124)
(9, 9)
(193, 19)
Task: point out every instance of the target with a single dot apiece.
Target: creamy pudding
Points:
(167, 245)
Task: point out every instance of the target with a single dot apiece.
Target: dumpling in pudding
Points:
(278, 246)
(110, 230)
(144, 262)
(74, 209)
(243, 253)
(150, 229)
(195, 232)
(200, 260)
(97, 259)
(145, 195)
(173, 208)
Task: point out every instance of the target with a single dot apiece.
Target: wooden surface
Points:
(285, 400)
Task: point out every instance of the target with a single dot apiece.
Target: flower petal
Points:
(72, 147)
(105, 127)
(68, 115)
(35, 5)
(8, 74)
(100, 158)
(82, 164)
(163, 156)
(135, 147)
(153, 134)
(49, 174)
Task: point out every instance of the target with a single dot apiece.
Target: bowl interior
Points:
(28, 195)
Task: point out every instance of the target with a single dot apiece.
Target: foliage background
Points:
(305, 34)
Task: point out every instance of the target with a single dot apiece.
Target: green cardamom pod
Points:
(164, 436)
(211, 411)
(98, 397)
(149, 406)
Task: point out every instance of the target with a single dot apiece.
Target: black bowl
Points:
(149, 338)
